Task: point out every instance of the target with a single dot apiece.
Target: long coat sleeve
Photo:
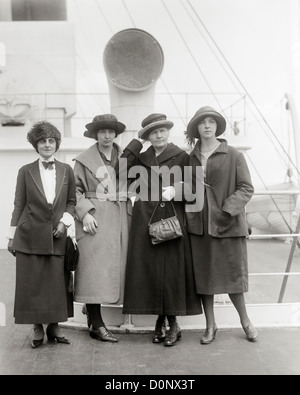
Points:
(228, 187)
(34, 218)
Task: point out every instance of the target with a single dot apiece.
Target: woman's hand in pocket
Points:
(224, 221)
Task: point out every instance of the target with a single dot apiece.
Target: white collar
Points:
(41, 159)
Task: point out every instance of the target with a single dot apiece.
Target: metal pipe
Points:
(253, 237)
(289, 264)
(279, 192)
(5, 10)
(276, 274)
(296, 129)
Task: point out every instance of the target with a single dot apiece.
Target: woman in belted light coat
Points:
(101, 226)
(218, 232)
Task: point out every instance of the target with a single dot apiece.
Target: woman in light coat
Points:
(101, 225)
(218, 232)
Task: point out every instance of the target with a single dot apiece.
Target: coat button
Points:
(162, 205)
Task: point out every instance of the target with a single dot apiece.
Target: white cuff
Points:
(69, 222)
(71, 231)
(67, 219)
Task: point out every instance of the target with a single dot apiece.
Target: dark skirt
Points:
(42, 294)
(220, 264)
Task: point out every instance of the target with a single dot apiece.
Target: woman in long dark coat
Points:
(44, 207)
(159, 278)
(218, 232)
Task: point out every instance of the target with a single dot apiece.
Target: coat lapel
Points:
(223, 149)
(92, 160)
(36, 175)
(169, 153)
(60, 176)
(148, 158)
(196, 152)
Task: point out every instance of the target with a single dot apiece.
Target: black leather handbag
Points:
(72, 255)
(165, 229)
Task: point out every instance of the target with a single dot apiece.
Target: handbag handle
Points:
(149, 223)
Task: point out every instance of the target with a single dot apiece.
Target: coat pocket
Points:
(22, 224)
(223, 221)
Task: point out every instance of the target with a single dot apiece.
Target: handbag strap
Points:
(149, 223)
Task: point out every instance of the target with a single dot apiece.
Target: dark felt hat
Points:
(105, 121)
(152, 122)
(203, 112)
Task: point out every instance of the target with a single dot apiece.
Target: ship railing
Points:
(286, 274)
(294, 235)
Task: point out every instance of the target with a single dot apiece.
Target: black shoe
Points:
(209, 335)
(38, 336)
(173, 335)
(36, 343)
(160, 331)
(251, 333)
(103, 334)
(52, 335)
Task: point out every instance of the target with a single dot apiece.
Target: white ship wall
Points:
(37, 75)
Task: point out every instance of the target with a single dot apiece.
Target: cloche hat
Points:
(203, 112)
(105, 121)
(152, 122)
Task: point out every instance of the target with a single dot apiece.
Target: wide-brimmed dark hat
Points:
(203, 112)
(152, 122)
(105, 121)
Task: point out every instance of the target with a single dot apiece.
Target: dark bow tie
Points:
(48, 165)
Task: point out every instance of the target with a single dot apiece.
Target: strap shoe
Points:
(53, 333)
(251, 333)
(209, 335)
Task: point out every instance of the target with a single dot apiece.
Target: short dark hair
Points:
(43, 130)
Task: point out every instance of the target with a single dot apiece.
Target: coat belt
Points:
(111, 197)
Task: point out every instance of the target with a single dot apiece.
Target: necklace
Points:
(206, 154)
